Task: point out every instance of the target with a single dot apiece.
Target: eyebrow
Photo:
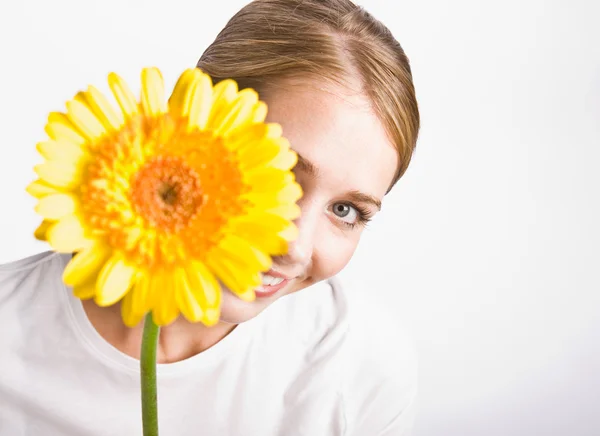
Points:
(361, 197)
(307, 166)
(313, 171)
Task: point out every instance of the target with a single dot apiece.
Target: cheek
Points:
(332, 252)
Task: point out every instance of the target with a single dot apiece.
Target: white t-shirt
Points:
(305, 366)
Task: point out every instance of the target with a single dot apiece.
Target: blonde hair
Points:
(268, 41)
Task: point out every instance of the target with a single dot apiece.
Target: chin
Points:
(236, 311)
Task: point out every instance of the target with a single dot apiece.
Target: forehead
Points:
(336, 130)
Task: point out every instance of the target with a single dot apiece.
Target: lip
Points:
(265, 291)
(274, 273)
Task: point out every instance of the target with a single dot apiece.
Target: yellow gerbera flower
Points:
(160, 200)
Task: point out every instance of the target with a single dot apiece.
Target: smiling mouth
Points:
(272, 282)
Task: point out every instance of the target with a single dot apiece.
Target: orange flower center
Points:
(167, 193)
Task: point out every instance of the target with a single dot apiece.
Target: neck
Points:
(177, 341)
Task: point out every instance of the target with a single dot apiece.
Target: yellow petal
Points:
(187, 301)
(266, 232)
(60, 150)
(56, 206)
(86, 290)
(288, 211)
(285, 160)
(204, 283)
(178, 104)
(224, 93)
(156, 283)
(130, 317)
(40, 232)
(290, 193)
(274, 130)
(258, 155)
(192, 97)
(60, 128)
(59, 174)
(211, 317)
(267, 220)
(123, 95)
(259, 112)
(289, 233)
(140, 302)
(268, 179)
(86, 264)
(256, 117)
(267, 204)
(236, 277)
(153, 92)
(238, 249)
(111, 119)
(165, 309)
(246, 137)
(85, 120)
(239, 113)
(200, 102)
(40, 189)
(114, 280)
(67, 235)
(207, 291)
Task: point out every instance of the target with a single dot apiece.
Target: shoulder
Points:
(310, 316)
(29, 263)
(22, 278)
(331, 313)
(380, 386)
(377, 337)
(358, 349)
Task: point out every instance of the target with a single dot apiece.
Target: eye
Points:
(350, 214)
(345, 212)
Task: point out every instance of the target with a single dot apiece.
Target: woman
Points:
(315, 363)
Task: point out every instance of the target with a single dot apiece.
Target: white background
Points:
(489, 246)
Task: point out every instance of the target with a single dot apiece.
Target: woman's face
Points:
(346, 164)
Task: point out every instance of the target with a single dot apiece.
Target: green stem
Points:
(148, 377)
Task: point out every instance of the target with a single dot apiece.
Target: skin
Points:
(331, 128)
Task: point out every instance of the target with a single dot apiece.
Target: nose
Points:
(300, 251)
